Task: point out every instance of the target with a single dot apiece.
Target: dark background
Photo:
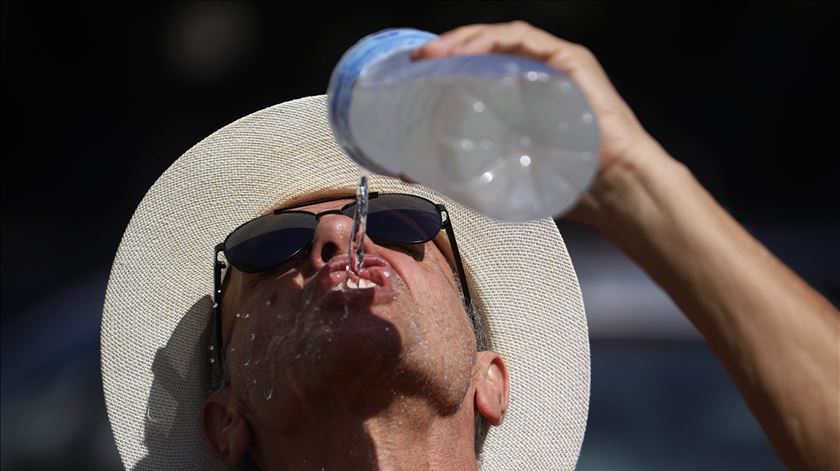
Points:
(99, 99)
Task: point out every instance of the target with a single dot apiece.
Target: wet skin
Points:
(303, 354)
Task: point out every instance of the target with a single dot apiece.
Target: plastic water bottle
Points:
(505, 135)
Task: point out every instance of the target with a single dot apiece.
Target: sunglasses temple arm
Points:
(217, 317)
(447, 225)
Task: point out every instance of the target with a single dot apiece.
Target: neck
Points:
(408, 434)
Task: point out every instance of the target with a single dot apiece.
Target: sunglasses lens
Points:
(402, 218)
(268, 241)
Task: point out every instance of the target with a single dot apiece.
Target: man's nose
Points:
(331, 238)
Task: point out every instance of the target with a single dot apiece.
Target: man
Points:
(395, 381)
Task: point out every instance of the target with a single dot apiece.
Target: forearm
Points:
(776, 336)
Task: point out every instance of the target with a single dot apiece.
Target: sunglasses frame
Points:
(217, 357)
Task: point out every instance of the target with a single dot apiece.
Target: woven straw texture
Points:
(154, 327)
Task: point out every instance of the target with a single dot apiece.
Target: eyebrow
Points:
(312, 202)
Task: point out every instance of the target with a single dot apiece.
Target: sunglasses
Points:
(269, 241)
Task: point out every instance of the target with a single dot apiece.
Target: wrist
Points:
(632, 192)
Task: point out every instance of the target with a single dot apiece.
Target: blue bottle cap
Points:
(367, 51)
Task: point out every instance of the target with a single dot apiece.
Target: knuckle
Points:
(473, 26)
(584, 52)
(520, 25)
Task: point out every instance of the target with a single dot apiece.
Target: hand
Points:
(623, 140)
(620, 130)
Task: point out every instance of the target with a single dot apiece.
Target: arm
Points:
(777, 338)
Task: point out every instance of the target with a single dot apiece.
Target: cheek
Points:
(445, 282)
(443, 304)
(263, 317)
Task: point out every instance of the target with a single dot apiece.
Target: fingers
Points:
(478, 43)
(522, 39)
(443, 45)
(514, 38)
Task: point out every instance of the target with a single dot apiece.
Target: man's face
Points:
(294, 340)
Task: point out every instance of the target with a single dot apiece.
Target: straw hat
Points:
(155, 339)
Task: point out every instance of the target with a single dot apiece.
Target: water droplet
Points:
(232, 349)
(478, 106)
(149, 413)
(467, 144)
(587, 118)
(210, 348)
(247, 362)
(525, 160)
(212, 360)
(387, 329)
(298, 356)
(268, 302)
(268, 394)
(252, 337)
(215, 305)
(246, 316)
(532, 76)
(238, 315)
(486, 177)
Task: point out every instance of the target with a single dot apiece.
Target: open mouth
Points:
(373, 284)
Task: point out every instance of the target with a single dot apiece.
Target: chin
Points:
(350, 348)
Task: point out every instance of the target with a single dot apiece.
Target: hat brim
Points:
(154, 328)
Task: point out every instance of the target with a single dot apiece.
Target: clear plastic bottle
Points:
(507, 136)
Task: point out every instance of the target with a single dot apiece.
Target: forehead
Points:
(324, 206)
(342, 196)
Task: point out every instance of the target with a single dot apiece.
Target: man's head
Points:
(155, 356)
(303, 355)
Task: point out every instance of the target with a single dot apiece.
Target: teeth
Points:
(362, 284)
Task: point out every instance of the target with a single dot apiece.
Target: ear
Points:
(225, 431)
(491, 387)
